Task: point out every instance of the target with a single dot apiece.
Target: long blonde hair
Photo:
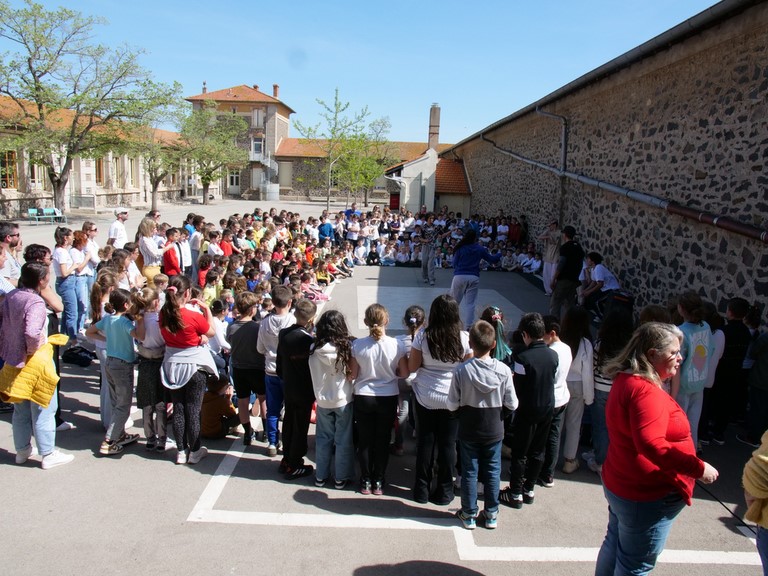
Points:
(376, 318)
(634, 357)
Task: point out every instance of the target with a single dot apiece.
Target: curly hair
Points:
(332, 329)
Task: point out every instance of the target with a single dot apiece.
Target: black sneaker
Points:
(126, 439)
(299, 472)
(528, 497)
(718, 439)
(512, 500)
(6, 407)
(546, 481)
(340, 484)
(248, 437)
(744, 439)
(320, 482)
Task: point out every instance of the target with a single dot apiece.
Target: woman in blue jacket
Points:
(466, 273)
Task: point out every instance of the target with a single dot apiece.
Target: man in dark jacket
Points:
(293, 346)
(534, 379)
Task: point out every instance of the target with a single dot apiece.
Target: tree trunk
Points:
(154, 195)
(206, 186)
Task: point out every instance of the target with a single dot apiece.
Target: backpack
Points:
(78, 356)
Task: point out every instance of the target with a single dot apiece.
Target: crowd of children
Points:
(224, 330)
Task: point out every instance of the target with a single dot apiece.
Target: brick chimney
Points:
(205, 88)
(275, 91)
(256, 87)
(434, 127)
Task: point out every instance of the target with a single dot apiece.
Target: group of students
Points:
(252, 322)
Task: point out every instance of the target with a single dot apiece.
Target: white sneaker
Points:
(24, 454)
(56, 458)
(595, 467)
(65, 426)
(197, 455)
(129, 423)
(181, 457)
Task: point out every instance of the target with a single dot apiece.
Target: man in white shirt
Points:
(117, 235)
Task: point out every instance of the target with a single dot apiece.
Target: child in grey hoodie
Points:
(483, 394)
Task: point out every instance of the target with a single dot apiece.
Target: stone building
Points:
(658, 158)
(268, 120)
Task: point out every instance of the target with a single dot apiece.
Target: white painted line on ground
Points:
(216, 484)
(466, 548)
(298, 520)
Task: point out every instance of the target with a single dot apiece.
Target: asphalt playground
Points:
(234, 514)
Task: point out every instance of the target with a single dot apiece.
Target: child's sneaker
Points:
(160, 444)
(151, 444)
(181, 457)
(271, 450)
(110, 448)
(197, 455)
(56, 458)
(512, 500)
(126, 439)
(468, 521)
(528, 497)
(490, 519)
(25, 453)
(299, 472)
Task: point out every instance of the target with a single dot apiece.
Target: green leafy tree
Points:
(365, 155)
(331, 135)
(159, 150)
(209, 139)
(72, 97)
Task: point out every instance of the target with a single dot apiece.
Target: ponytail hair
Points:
(141, 300)
(495, 317)
(376, 318)
(118, 299)
(106, 280)
(170, 318)
(414, 319)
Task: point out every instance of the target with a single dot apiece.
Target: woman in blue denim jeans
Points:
(651, 466)
(66, 270)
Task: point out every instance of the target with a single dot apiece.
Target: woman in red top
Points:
(651, 466)
(186, 364)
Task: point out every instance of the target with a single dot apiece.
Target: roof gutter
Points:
(723, 222)
(695, 25)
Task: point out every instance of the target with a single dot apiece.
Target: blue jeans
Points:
(81, 293)
(29, 418)
(637, 532)
(480, 462)
(67, 289)
(599, 428)
(762, 548)
(274, 406)
(334, 427)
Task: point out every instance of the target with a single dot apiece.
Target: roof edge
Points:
(694, 25)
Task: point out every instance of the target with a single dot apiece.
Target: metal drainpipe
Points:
(671, 207)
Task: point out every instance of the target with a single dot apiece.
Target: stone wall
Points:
(688, 124)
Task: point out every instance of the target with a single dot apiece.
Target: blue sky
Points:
(479, 60)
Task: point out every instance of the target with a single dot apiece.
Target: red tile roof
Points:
(450, 177)
(242, 93)
(301, 148)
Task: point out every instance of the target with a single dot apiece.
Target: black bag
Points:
(78, 356)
